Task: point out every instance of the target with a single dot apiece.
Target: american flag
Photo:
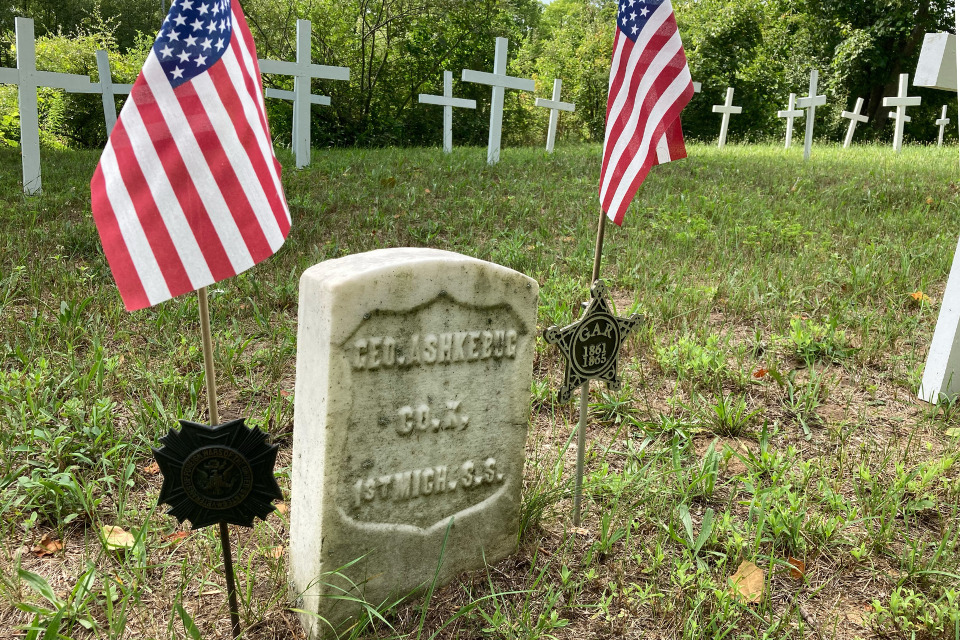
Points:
(187, 191)
(650, 85)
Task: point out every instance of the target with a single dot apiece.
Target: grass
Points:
(770, 413)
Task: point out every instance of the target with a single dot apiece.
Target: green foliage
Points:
(72, 119)
(397, 49)
(694, 361)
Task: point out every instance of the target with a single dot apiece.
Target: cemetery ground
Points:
(768, 415)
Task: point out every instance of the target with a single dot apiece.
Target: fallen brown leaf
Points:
(274, 552)
(117, 538)
(176, 536)
(282, 508)
(47, 546)
(152, 469)
(747, 583)
(798, 568)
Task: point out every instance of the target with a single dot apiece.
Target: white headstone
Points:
(941, 376)
(854, 117)
(303, 72)
(901, 102)
(810, 103)
(555, 107)
(29, 80)
(790, 114)
(697, 87)
(727, 109)
(937, 67)
(500, 81)
(448, 102)
(942, 123)
(411, 416)
(109, 90)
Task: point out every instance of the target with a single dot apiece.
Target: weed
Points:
(730, 417)
(813, 341)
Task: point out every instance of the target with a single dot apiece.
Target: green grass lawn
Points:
(768, 415)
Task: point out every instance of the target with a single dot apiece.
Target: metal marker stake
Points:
(585, 390)
(211, 381)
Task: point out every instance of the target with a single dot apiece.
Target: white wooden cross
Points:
(937, 69)
(727, 109)
(697, 87)
(448, 102)
(810, 103)
(108, 90)
(29, 80)
(854, 117)
(901, 102)
(500, 81)
(555, 107)
(303, 72)
(893, 116)
(942, 123)
(790, 114)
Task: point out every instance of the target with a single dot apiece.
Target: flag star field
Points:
(193, 37)
(633, 16)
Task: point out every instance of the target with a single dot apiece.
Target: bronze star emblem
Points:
(218, 474)
(591, 345)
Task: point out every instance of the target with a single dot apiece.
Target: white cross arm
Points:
(66, 81)
(937, 67)
(497, 80)
(893, 116)
(901, 102)
(443, 101)
(318, 71)
(811, 101)
(9, 76)
(797, 113)
(281, 94)
(122, 88)
(719, 108)
(554, 104)
(854, 116)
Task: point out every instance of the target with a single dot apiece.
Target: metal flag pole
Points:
(211, 380)
(585, 389)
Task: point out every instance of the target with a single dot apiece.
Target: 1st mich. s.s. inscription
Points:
(418, 449)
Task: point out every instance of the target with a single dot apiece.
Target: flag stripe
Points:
(149, 217)
(242, 111)
(232, 138)
(115, 247)
(649, 86)
(649, 116)
(188, 191)
(187, 198)
(196, 259)
(646, 83)
(225, 184)
(144, 261)
(650, 38)
(650, 83)
(641, 165)
(198, 170)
